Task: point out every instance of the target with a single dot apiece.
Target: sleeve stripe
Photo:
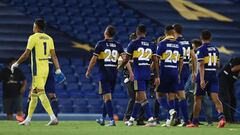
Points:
(95, 54)
(121, 53)
(158, 55)
(128, 53)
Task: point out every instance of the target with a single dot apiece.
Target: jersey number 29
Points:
(112, 55)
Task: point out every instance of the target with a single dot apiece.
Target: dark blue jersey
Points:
(170, 51)
(108, 52)
(210, 56)
(186, 47)
(141, 51)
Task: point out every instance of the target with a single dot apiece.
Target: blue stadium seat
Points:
(73, 86)
(45, 11)
(62, 94)
(80, 109)
(71, 3)
(76, 94)
(44, 3)
(93, 109)
(58, 3)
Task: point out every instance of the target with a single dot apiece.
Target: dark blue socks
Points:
(184, 110)
(147, 109)
(109, 109)
(136, 109)
(104, 113)
(54, 104)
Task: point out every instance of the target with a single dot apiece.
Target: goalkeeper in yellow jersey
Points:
(41, 46)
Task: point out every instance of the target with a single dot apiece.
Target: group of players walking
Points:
(167, 64)
(170, 62)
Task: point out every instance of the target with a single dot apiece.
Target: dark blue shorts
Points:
(212, 86)
(168, 85)
(183, 82)
(106, 86)
(50, 84)
(140, 85)
(184, 76)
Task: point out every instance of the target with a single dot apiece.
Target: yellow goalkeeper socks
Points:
(46, 104)
(32, 104)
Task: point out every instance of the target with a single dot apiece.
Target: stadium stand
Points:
(83, 21)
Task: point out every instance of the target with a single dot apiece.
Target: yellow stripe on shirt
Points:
(137, 54)
(173, 56)
(102, 55)
(207, 58)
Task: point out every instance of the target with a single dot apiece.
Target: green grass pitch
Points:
(91, 128)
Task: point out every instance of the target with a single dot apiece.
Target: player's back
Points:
(40, 44)
(187, 47)
(210, 56)
(108, 52)
(142, 51)
(170, 52)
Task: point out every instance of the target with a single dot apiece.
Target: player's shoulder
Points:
(202, 48)
(162, 43)
(101, 42)
(48, 36)
(134, 41)
(33, 36)
(40, 35)
(116, 42)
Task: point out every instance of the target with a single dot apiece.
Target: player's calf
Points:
(219, 108)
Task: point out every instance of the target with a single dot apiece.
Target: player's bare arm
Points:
(156, 69)
(236, 68)
(125, 61)
(180, 68)
(92, 63)
(23, 86)
(129, 68)
(201, 72)
(22, 58)
(193, 60)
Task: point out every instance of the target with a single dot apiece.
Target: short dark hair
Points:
(168, 28)
(10, 60)
(178, 28)
(206, 35)
(40, 22)
(133, 36)
(111, 31)
(197, 42)
(141, 28)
